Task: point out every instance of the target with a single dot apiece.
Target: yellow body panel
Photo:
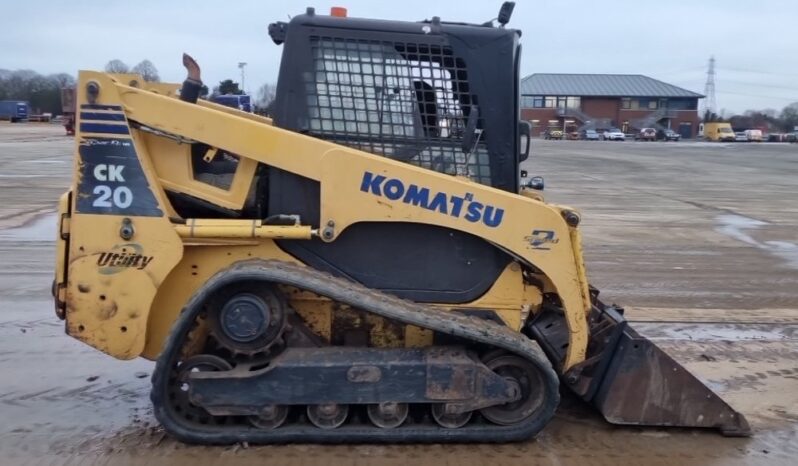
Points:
(107, 303)
(534, 233)
(175, 171)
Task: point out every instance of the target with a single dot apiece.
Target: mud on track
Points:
(724, 306)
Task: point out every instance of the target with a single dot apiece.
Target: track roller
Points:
(327, 415)
(449, 420)
(387, 415)
(271, 417)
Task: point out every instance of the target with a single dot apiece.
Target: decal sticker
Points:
(465, 206)
(112, 181)
(103, 119)
(121, 257)
(542, 239)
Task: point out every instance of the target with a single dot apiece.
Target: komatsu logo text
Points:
(464, 206)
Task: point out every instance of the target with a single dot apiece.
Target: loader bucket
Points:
(632, 381)
(645, 386)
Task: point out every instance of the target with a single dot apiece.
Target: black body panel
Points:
(413, 261)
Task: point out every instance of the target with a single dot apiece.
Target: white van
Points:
(753, 135)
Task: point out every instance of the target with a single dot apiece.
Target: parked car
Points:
(753, 135)
(668, 135)
(589, 135)
(552, 134)
(614, 134)
(646, 134)
(740, 136)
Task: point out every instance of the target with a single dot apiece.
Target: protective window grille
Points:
(405, 101)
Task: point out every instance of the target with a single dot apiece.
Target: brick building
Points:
(601, 101)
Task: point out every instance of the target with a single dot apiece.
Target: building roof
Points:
(605, 85)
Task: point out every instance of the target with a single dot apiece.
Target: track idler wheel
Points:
(528, 379)
(328, 415)
(180, 387)
(388, 415)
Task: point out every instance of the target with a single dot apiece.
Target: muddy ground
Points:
(699, 241)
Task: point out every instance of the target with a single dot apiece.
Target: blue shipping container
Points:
(13, 110)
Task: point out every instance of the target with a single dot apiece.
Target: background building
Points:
(601, 101)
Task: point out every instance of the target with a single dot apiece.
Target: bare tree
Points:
(266, 95)
(147, 70)
(116, 66)
(789, 117)
(43, 93)
(63, 79)
(767, 112)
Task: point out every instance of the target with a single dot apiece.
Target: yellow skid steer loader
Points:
(365, 266)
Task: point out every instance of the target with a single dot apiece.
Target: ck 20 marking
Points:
(465, 206)
(120, 196)
(112, 181)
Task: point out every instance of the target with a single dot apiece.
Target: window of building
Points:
(550, 101)
(639, 104)
(683, 104)
(527, 101)
(532, 101)
(573, 102)
(561, 101)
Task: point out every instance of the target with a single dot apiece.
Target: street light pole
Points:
(241, 66)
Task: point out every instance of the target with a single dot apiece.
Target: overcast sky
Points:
(754, 42)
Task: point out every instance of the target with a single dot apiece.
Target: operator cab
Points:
(443, 96)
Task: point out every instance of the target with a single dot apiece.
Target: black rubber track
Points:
(355, 295)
